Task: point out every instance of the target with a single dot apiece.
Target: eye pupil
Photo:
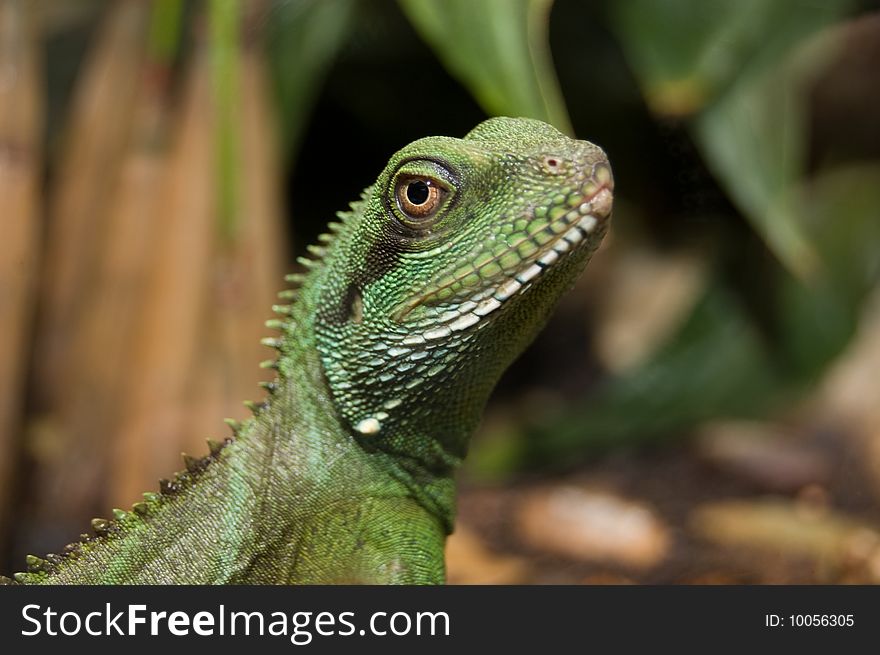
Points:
(419, 198)
(417, 192)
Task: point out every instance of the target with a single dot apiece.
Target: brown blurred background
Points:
(705, 405)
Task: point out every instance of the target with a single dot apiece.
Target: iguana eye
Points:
(419, 198)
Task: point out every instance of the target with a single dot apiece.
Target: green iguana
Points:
(419, 298)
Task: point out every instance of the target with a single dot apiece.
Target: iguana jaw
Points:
(552, 234)
(581, 224)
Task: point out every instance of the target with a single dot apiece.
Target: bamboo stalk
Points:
(21, 114)
(248, 262)
(163, 349)
(97, 134)
(70, 484)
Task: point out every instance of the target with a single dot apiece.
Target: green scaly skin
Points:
(398, 333)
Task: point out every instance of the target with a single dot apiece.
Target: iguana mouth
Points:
(550, 235)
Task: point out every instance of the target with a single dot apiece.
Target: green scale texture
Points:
(396, 336)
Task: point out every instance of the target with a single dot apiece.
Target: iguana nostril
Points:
(552, 164)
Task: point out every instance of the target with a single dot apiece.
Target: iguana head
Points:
(445, 272)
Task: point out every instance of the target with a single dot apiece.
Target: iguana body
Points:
(426, 291)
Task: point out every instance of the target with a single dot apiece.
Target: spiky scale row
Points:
(192, 464)
(255, 407)
(272, 342)
(37, 569)
(38, 565)
(234, 425)
(106, 528)
(194, 467)
(307, 263)
(102, 527)
(74, 548)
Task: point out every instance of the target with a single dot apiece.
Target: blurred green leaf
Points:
(839, 211)
(685, 53)
(224, 21)
(166, 24)
(499, 50)
(725, 65)
(753, 139)
(304, 37)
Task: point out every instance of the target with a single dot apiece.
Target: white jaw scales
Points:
(582, 221)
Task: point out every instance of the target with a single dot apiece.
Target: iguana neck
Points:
(290, 499)
(303, 425)
(322, 498)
